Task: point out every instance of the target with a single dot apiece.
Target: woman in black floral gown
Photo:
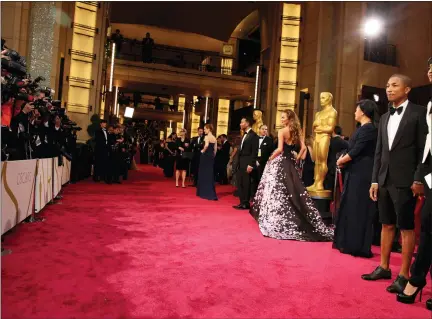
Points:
(282, 206)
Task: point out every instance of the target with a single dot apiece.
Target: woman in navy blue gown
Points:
(206, 184)
(354, 223)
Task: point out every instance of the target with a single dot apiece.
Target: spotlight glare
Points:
(372, 27)
(376, 97)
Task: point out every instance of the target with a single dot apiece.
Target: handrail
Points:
(165, 47)
(184, 65)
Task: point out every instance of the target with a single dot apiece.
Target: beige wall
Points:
(14, 25)
(333, 46)
(410, 29)
(169, 37)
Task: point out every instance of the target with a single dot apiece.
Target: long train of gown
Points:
(283, 207)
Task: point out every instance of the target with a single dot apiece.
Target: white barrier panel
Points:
(18, 178)
(44, 191)
(66, 171)
(58, 171)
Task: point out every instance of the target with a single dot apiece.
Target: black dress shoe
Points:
(398, 286)
(429, 304)
(378, 273)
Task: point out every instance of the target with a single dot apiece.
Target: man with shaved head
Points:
(397, 176)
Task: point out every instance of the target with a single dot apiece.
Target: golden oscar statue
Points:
(257, 116)
(323, 127)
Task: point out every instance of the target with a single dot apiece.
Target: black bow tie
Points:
(261, 137)
(398, 110)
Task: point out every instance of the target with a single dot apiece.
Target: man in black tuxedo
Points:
(266, 147)
(248, 155)
(422, 262)
(397, 176)
(224, 157)
(197, 144)
(101, 153)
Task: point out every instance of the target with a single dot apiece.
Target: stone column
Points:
(349, 63)
(82, 45)
(280, 58)
(43, 41)
(270, 16)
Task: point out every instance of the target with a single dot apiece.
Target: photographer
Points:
(33, 124)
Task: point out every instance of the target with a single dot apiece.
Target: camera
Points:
(25, 134)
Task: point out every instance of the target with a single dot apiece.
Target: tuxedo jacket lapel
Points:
(385, 120)
(401, 127)
(245, 139)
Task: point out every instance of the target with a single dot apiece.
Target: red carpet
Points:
(146, 249)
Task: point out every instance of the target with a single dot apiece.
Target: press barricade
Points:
(28, 186)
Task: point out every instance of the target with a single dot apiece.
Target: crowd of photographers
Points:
(33, 124)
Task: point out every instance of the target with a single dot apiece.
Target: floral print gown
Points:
(283, 207)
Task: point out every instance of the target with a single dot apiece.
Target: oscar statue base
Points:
(323, 205)
(320, 193)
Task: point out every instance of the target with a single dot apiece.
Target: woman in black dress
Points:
(182, 161)
(354, 224)
(308, 164)
(206, 183)
(169, 157)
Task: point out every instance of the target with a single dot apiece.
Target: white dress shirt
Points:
(393, 123)
(261, 139)
(106, 137)
(244, 136)
(428, 144)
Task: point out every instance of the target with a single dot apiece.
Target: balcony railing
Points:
(191, 66)
(177, 57)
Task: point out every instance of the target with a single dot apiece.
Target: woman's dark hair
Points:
(370, 109)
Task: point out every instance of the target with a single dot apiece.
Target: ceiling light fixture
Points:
(129, 112)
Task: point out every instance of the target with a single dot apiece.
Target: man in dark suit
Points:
(101, 153)
(224, 157)
(197, 144)
(397, 176)
(422, 262)
(248, 155)
(265, 149)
